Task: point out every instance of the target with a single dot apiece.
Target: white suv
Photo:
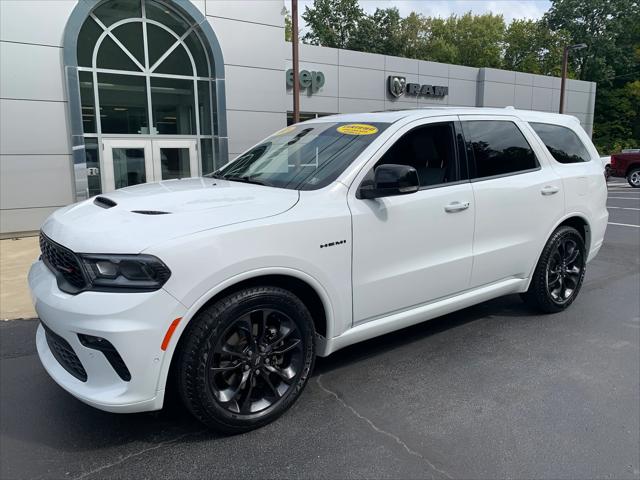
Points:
(327, 233)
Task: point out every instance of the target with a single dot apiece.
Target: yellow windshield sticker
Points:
(357, 129)
(285, 130)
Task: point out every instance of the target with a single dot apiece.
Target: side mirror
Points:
(390, 180)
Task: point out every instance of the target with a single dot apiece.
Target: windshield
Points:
(303, 156)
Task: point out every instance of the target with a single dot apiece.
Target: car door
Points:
(518, 197)
(412, 249)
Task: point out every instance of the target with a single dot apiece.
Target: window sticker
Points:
(357, 129)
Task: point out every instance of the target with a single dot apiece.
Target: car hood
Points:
(132, 219)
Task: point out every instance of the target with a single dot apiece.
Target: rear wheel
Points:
(246, 359)
(634, 177)
(559, 274)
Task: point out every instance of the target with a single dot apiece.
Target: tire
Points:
(633, 177)
(559, 273)
(225, 379)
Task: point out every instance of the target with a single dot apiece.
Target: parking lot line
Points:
(624, 208)
(626, 198)
(623, 224)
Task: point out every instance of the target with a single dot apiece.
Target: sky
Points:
(510, 9)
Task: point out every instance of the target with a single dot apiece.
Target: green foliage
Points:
(288, 27)
(611, 31)
(332, 23)
(531, 47)
(610, 28)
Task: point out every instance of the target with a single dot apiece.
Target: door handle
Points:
(454, 207)
(549, 190)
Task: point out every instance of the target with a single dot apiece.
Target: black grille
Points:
(64, 354)
(63, 262)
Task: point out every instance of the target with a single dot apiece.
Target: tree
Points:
(611, 31)
(478, 39)
(288, 27)
(332, 23)
(609, 28)
(379, 33)
(531, 47)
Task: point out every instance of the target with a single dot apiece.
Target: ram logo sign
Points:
(398, 86)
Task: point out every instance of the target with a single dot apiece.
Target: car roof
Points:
(391, 116)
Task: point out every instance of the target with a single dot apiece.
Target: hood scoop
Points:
(150, 212)
(104, 202)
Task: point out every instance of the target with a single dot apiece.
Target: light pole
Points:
(565, 62)
(296, 67)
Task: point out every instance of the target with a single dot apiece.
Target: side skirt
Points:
(406, 318)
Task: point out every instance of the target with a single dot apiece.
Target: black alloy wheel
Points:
(255, 361)
(564, 270)
(559, 273)
(244, 360)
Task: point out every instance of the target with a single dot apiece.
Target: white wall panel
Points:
(462, 93)
(350, 105)
(259, 11)
(31, 72)
(34, 21)
(542, 81)
(35, 181)
(368, 84)
(249, 44)
(254, 89)
(33, 127)
(542, 99)
(524, 79)
(313, 53)
(463, 73)
(498, 94)
(314, 103)
(24, 219)
(433, 68)
(523, 97)
(360, 59)
(401, 65)
(497, 75)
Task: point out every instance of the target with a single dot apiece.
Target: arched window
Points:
(146, 70)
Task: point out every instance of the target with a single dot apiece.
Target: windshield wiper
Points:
(245, 179)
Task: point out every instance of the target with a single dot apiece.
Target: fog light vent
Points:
(111, 354)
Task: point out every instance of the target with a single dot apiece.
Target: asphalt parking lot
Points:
(493, 391)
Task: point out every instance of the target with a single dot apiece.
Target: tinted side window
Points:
(562, 143)
(499, 148)
(429, 149)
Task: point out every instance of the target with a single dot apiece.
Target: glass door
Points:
(126, 163)
(129, 162)
(175, 159)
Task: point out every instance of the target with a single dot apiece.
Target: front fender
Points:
(211, 293)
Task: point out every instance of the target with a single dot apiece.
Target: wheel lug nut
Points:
(246, 367)
(257, 371)
(266, 360)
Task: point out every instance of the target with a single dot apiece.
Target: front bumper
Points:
(134, 323)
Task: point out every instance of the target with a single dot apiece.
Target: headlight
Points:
(138, 273)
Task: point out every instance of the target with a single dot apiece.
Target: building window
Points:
(145, 70)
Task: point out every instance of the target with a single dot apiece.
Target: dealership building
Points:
(101, 94)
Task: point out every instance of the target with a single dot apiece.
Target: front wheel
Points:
(634, 178)
(246, 358)
(560, 272)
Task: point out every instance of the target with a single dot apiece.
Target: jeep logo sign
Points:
(311, 80)
(398, 86)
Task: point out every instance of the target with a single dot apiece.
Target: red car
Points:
(627, 164)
